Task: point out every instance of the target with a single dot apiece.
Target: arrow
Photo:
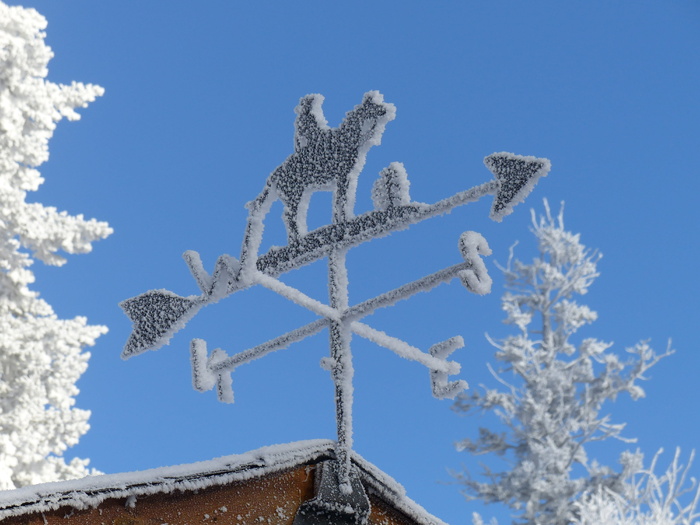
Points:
(516, 176)
(157, 315)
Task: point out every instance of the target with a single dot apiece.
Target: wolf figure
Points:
(324, 159)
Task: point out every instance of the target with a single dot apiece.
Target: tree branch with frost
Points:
(41, 356)
(645, 498)
(551, 407)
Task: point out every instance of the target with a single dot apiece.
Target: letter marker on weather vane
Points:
(331, 159)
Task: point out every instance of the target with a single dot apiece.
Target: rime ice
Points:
(552, 396)
(331, 159)
(517, 176)
(324, 159)
(39, 420)
(157, 315)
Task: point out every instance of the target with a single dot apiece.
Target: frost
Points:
(476, 278)
(331, 159)
(90, 492)
(438, 378)
(391, 188)
(646, 498)
(41, 356)
(157, 315)
(202, 378)
(335, 503)
(204, 280)
(325, 159)
(224, 388)
(517, 176)
(552, 389)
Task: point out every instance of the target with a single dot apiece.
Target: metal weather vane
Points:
(331, 159)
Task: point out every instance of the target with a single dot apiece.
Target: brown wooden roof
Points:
(265, 486)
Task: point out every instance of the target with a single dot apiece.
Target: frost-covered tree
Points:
(646, 499)
(41, 356)
(552, 389)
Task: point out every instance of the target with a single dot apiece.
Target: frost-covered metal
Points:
(331, 159)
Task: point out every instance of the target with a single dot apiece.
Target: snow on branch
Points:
(553, 388)
(39, 420)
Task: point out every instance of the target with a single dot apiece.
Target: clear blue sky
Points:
(198, 111)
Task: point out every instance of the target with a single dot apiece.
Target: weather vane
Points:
(331, 159)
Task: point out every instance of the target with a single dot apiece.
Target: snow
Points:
(39, 420)
(553, 386)
(90, 492)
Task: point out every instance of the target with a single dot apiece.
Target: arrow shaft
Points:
(463, 197)
(278, 343)
(351, 314)
(403, 349)
(371, 225)
(424, 284)
(297, 296)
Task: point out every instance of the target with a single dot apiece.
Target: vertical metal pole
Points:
(342, 371)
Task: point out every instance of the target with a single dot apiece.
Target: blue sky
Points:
(198, 111)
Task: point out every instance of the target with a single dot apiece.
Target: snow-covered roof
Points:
(89, 492)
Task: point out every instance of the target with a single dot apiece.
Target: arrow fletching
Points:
(516, 176)
(157, 315)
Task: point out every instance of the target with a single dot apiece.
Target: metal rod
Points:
(403, 349)
(424, 284)
(278, 343)
(341, 359)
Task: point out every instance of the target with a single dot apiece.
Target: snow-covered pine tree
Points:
(41, 356)
(552, 389)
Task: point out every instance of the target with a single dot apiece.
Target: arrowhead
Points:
(157, 315)
(516, 176)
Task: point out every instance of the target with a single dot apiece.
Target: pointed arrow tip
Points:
(516, 176)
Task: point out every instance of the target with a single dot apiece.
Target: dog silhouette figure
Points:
(324, 159)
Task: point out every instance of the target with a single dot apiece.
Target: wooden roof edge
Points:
(385, 487)
(91, 491)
